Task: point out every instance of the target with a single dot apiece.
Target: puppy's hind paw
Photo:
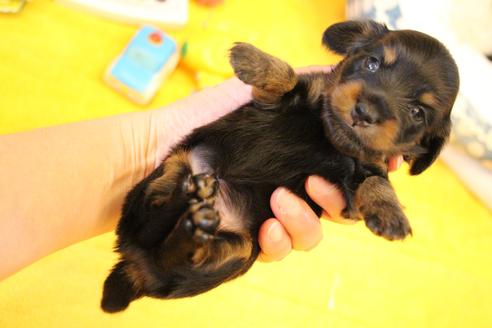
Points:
(202, 222)
(202, 219)
(200, 187)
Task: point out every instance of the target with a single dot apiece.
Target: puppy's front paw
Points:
(391, 224)
(270, 77)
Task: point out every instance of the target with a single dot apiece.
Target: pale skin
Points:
(64, 184)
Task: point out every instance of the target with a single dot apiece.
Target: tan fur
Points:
(390, 55)
(213, 254)
(317, 87)
(137, 269)
(373, 191)
(344, 97)
(428, 99)
(380, 137)
(375, 198)
(270, 77)
(161, 189)
(220, 252)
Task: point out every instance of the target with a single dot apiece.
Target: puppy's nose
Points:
(360, 115)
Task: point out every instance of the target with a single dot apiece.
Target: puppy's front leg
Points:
(270, 77)
(377, 202)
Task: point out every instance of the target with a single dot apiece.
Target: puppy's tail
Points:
(118, 290)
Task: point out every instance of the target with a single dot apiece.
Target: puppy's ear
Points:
(118, 290)
(347, 36)
(433, 144)
(270, 77)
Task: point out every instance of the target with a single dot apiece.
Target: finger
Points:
(297, 218)
(327, 196)
(274, 241)
(394, 163)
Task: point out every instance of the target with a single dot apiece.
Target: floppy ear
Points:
(347, 36)
(433, 143)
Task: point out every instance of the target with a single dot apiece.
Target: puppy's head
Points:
(392, 93)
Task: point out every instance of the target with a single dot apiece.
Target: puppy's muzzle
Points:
(361, 116)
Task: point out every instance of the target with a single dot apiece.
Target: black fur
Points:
(257, 148)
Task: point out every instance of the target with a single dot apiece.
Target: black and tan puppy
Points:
(193, 223)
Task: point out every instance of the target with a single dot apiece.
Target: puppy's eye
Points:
(371, 64)
(417, 113)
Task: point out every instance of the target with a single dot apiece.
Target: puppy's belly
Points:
(230, 219)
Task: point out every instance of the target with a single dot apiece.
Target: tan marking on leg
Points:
(218, 252)
(270, 77)
(373, 191)
(375, 198)
(162, 188)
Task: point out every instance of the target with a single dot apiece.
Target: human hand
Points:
(295, 225)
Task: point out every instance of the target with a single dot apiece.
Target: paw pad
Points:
(203, 219)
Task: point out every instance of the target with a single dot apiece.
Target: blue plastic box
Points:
(145, 63)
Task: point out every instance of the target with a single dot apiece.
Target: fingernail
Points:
(288, 204)
(275, 232)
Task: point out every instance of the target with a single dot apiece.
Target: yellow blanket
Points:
(51, 62)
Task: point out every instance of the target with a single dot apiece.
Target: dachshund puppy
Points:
(193, 223)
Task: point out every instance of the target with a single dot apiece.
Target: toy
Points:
(148, 59)
(11, 6)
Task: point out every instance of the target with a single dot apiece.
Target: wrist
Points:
(171, 124)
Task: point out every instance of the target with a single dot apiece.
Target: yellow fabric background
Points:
(51, 62)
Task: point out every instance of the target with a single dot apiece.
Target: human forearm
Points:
(64, 184)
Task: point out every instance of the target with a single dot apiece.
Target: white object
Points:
(165, 13)
(465, 27)
(477, 178)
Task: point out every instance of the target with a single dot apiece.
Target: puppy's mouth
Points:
(356, 122)
(361, 118)
(355, 118)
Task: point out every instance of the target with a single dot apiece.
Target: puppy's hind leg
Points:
(198, 255)
(196, 239)
(270, 77)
